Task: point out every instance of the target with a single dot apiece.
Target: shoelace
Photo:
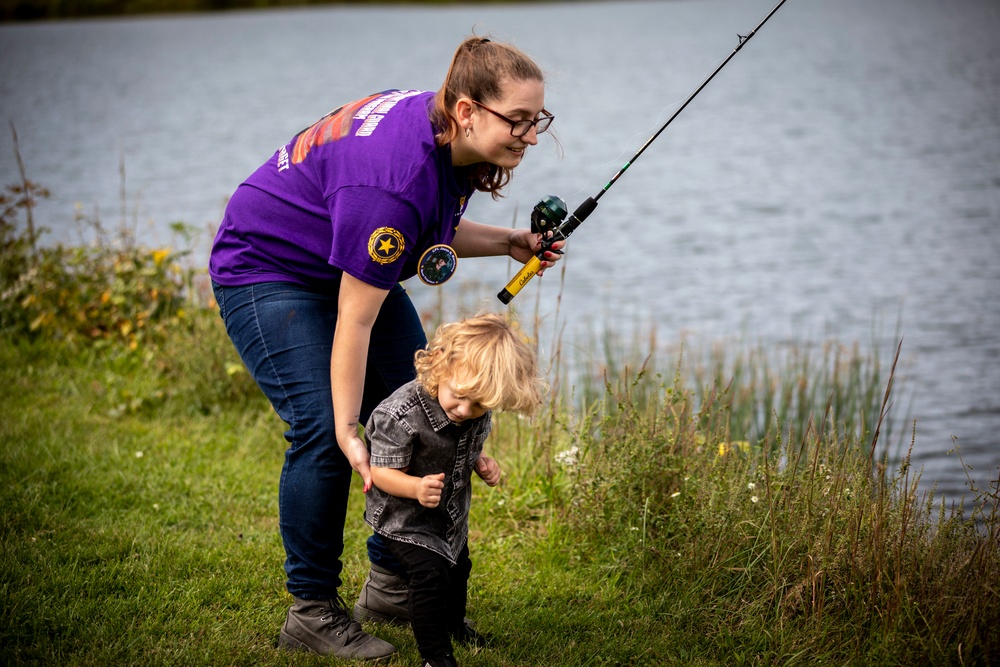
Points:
(339, 617)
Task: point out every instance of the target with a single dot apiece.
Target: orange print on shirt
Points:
(330, 127)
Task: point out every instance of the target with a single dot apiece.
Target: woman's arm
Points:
(474, 239)
(358, 306)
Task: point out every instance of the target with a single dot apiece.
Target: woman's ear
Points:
(463, 111)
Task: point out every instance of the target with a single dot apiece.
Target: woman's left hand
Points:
(524, 244)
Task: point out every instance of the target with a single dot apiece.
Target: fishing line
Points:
(549, 215)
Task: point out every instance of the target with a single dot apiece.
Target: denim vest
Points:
(409, 429)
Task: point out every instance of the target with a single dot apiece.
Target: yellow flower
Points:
(160, 255)
(740, 446)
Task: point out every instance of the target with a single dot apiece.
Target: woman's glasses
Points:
(519, 128)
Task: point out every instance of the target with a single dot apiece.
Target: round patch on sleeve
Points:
(385, 245)
(437, 264)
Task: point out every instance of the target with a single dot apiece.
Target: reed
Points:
(671, 506)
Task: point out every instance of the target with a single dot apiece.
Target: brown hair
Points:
(478, 71)
(488, 359)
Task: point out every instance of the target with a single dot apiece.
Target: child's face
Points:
(456, 406)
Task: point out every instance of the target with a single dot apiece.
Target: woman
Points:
(306, 269)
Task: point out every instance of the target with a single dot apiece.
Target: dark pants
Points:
(284, 334)
(438, 593)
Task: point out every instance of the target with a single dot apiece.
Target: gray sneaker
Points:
(383, 598)
(325, 627)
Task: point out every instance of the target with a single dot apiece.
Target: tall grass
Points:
(672, 506)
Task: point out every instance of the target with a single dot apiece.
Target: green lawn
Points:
(139, 527)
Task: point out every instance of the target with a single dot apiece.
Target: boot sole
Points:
(289, 643)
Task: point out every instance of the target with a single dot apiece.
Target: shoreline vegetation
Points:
(41, 10)
(670, 506)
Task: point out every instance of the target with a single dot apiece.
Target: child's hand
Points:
(429, 490)
(489, 470)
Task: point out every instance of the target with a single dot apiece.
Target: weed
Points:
(670, 507)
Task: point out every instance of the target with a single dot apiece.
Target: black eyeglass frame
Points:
(540, 124)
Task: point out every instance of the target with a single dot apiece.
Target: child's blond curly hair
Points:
(488, 359)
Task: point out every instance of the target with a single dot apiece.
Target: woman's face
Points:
(490, 139)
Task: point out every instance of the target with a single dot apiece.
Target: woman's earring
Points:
(468, 131)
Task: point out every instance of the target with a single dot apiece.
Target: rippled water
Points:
(839, 177)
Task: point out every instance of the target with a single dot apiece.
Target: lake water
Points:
(840, 177)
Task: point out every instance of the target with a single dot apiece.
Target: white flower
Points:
(675, 494)
(138, 455)
(568, 458)
(754, 499)
(751, 486)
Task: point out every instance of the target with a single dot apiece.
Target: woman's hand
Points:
(360, 458)
(474, 239)
(358, 307)
(524, 245)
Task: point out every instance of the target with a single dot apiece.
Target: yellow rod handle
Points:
(526, 273)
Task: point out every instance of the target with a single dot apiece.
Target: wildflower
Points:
(675, 494)
(160, 255)
(741, 446)
(754, 499)
(751, 486)
(138, 455)
(568, 458)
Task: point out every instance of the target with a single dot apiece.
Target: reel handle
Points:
(546, 210)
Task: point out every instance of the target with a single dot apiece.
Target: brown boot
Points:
(325, 627)
(383, 599)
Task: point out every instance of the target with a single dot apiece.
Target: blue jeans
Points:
(284, 335)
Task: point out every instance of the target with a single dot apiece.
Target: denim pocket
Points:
(220, 298)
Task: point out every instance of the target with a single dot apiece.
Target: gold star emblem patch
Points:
(385, 245)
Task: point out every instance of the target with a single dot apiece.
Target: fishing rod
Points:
(549, 215)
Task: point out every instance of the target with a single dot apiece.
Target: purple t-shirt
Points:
(364, 190)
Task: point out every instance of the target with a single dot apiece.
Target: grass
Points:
(148, 535)
(672, 506)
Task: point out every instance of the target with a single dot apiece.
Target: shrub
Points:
(96, 294)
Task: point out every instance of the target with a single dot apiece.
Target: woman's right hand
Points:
(360, 458)
(358, 306)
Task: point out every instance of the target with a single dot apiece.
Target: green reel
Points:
(548, 214)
